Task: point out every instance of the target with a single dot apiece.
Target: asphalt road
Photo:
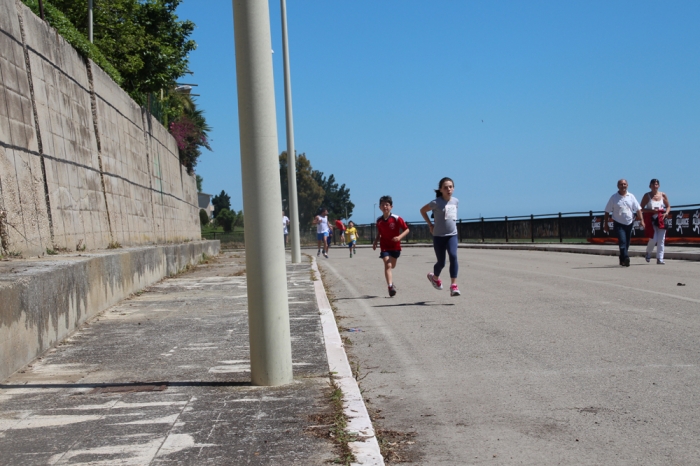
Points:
(546, 358)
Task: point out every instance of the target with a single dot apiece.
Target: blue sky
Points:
(531, 107)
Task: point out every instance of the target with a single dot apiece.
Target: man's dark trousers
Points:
(624, 236)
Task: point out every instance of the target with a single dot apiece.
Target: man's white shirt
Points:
(623, 207)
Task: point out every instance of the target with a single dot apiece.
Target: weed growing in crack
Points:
(338, 432)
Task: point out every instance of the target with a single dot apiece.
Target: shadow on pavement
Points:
(419, 303)
(605, 267)
(359, 297)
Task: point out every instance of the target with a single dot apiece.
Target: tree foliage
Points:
(313, 191)
(336, 198)
(65, 27)
(203, 217)
(200, 180)
(229, 219)
(226, 219)
(143, 39)
(190, 131)
(309, 193)
(220, 202)
(144, 47)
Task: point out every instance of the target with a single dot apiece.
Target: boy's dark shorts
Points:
(394, 254)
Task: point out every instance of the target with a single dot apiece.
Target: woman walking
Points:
(655, 204)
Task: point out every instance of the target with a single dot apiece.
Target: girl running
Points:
(444, 233)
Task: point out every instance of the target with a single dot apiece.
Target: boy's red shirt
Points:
(388, 229)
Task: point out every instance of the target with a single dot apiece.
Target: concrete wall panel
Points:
(8, 18)
(74, 142)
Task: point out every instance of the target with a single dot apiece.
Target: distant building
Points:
(205, 203)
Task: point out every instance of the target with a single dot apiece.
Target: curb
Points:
(366, 451)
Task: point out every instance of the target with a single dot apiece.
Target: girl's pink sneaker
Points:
(435, 281)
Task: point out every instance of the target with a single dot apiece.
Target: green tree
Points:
(226, 219)
(203, 217)
(144, 40)
(144, 46)
(220, 202)
(309, 193)
(336, 198)
(200, 180)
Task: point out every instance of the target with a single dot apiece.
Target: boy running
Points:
(389, 236)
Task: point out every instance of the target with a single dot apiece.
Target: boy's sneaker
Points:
(318, 253)
(435, 281)
(350, 254)
(454, 291)
(392, 291)
(325, 255)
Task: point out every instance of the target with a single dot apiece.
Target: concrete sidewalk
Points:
(163, 378)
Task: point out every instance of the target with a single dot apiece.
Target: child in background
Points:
(341, 228)
(321, 222)
(351, 237)
(389, 236)
(329, 238)
(444, 232)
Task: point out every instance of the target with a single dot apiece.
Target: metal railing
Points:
(570, 227)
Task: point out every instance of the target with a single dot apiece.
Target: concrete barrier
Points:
(42, 301)
(81, 164)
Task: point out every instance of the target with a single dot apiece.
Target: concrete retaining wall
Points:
(42, 301)
(81, 164)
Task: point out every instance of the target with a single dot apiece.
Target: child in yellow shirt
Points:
(351, 237)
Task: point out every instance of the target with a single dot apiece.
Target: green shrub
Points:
(203, 217)
(225, 218)
(74, 37)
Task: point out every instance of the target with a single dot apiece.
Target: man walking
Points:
(623, 206)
